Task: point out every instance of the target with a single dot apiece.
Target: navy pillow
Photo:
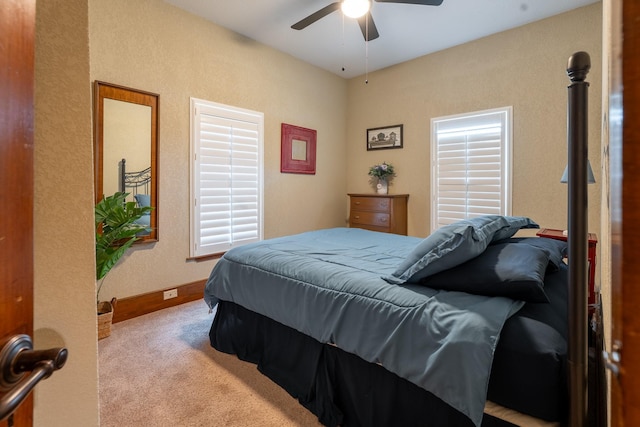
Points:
(555, 249)
(509, 270)
(453, 244)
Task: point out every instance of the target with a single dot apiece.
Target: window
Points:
(471, 166)
(226, 188)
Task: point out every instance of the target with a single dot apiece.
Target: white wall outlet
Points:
(171, 293)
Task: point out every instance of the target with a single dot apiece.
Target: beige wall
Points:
(153, 46)
(64, 266)
(524, 68)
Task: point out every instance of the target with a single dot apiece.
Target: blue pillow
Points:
(451, 245)
(515, 223)
(509, 270)
(143, 200)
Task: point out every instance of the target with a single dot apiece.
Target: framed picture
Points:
(298, 151)
(384, 137)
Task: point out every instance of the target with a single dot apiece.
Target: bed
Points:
(137, 183)
(375, 329)
(470, 326)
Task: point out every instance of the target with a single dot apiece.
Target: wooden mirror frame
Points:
(104, 91)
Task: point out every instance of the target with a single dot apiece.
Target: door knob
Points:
(17, 358)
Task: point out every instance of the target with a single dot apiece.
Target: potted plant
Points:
(117, 228)
(381, 175)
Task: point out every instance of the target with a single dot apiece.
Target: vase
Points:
(383, 186)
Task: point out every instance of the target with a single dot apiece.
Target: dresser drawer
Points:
(386, 213)
(373, 204)
(370, 218)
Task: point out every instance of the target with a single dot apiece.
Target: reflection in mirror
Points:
(127, 134)
(126, 137)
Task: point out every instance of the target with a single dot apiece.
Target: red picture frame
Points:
(298, 151)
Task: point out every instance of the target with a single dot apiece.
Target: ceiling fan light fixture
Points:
(355, 8)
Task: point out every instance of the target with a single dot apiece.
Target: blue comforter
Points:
(327, 284)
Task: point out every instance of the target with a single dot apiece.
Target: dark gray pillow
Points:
(510, 270)
(555, 249)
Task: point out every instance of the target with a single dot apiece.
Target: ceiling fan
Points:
(352, 9)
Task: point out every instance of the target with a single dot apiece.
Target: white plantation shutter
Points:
(227, 177)
(471, 170)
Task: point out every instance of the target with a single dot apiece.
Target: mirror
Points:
(126, 148)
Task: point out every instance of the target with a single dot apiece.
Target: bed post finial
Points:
(578, 66)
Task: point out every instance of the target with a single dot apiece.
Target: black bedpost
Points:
(577, 138)
(123, 176)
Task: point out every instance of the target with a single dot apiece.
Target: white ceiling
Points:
(407, 31)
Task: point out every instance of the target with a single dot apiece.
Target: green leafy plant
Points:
(382, 171)
(116, 231)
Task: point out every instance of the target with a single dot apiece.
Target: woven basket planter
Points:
(105, 317)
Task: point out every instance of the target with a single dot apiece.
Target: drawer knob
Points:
(357, 203)
(357, 216)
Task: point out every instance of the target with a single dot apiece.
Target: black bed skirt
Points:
(340, 388)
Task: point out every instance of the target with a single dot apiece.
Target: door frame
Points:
(624, 150)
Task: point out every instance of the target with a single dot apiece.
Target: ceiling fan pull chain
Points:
(366, 57)
(343, 48)
(366, 54)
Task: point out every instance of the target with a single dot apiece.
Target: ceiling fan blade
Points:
(303, 23)
(421, 2)
(368, 27)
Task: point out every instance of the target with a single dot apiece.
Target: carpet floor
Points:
(160, 370)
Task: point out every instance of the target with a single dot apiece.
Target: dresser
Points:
(379, 212)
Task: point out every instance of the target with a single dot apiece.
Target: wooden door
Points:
(17, 29)
(625, 214)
